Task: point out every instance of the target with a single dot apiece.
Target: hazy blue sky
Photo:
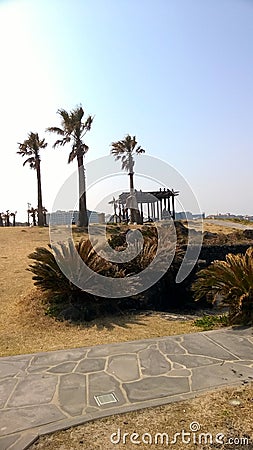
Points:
(176, 73)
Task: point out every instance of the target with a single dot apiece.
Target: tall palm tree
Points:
(73, 130)
(124, 150)
(7, 218)
(33, 211)
(31, 148)
(13, 215)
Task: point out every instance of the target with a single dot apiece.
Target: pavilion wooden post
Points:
(141, 212)
(169, 204)
(120, 213)
(153, 210)
(157, 208)
(123, 212)
(173, 207)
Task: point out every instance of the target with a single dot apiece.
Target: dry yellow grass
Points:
(212, 411)
(212, 228)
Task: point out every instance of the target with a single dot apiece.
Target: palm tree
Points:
(33, 211)
(114, 202)
(31, 148)
(13, 215)
(73, 130)
(124, 150)
(7, 218)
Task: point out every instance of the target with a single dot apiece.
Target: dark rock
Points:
(209, 235)
(248, 234)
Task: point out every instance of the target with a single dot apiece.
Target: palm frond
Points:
(42, 143)
(72, 155)
(232, 278)
(31, 147)
(49, 277)
(124, 148)
(56, 130)
(31, 161)
(62, 142)
(72, 130)
(88, 123)
(139, 150)
(77, 114)
(83, 148)
(65, 117)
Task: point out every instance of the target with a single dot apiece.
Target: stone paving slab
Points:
(45, 392)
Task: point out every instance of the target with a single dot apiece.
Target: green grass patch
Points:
(210, 322)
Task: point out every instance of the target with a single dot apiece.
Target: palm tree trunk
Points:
(40, 212)
(173, 207)
(131, 175)
(7, 219)
(134, 213)
(83, 216)
(34, 217)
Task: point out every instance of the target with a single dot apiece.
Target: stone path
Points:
(45, 392)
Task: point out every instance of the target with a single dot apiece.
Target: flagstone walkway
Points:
(45, 392)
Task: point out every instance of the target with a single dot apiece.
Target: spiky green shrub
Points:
(142, 260)
(165, 293)
(61, 292)
(233, 280)
(48, 275)
(117, 239)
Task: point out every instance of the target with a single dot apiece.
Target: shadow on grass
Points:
(35, 308)
(105, 314)
(110, 322)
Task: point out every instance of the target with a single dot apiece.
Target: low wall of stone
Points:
(210, 253)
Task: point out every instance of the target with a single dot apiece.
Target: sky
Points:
(177, 74)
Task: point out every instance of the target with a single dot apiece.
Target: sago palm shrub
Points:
(233, 280)
(165, 293)
(61, 293)
(66, 299)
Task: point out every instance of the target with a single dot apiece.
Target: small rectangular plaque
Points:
(104, 399)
